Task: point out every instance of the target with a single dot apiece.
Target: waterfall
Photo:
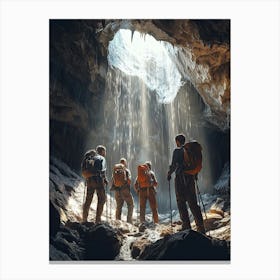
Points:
(146, 105)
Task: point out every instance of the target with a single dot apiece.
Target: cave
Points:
(132, 86)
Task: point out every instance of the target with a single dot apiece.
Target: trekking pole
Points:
(110, 205)
(201, 201)
(107, 202)
(170, 205)
(137, 211)
(197, 195)
(84, 193)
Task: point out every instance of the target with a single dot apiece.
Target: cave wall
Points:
(77, 81)
(78, 67)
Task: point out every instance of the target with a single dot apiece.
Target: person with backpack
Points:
(121, 181)
(187, 162)
(94, 171)
(144, 186)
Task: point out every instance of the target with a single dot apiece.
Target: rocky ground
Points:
(72, 240)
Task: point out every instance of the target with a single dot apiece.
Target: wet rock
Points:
(217, 211)
(138, 246)
(135, 251)
(222, 232)
(69, 243)
(123, 227)
(142, 227)
(187, 245)
(81, 228)
(166, 231)
(86, 241)
(223, 183)
(56, 255)
(137, 234)
(212, 219)
(102, 243)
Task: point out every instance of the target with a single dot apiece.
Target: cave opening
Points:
(138, 54)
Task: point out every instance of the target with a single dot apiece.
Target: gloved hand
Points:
(106, 181)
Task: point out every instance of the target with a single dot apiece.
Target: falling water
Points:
(146, 106)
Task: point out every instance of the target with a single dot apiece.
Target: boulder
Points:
(138, 246)
(69, 243)
(102, 243)
(57, 255)
(187, 245)
(86, 241)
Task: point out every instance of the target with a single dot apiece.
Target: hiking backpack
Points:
(119, 175)
(91, 165)
(144, 176)
(192, 157)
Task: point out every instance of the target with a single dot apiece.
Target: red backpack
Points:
(192, 157)
(144, 176)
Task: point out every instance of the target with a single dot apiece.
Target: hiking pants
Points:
(185, 192)
(93, 186)
(122, 195)
(150, 194)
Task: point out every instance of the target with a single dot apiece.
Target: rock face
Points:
(187, 245)
(223, 183)
(76, 86)
(66, 189)
(205, 59)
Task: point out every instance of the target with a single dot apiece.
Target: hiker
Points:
(121, 185)
(144, 186)
(185, 186)
(94, 170)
